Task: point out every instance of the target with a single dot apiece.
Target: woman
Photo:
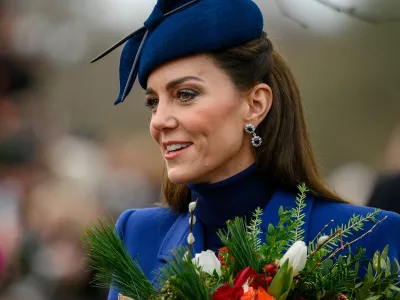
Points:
(227, 116)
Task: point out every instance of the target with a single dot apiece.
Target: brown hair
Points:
(286, 157)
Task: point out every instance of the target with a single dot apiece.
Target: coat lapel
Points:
(177, 236)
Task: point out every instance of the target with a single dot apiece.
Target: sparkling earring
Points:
(256, 141)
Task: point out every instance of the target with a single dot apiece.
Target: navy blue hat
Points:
(179, 28)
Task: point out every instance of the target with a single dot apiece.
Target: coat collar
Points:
(177, 235)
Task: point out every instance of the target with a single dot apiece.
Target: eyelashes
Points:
(151, 103)
(183, 96)
(187, 95)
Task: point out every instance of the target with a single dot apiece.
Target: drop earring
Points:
(256, 141)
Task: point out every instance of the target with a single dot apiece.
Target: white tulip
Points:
(297, 256)
(208, 262)
(192, 206)
(322, 240)
(190, 238)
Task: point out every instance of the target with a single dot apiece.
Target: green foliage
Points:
(382, 280)
(185, 278)
(330, 277)
(297, 214)
(326, 275)
(254, 229)
(288, 230)
(241, 245)
(355, 225)
(108, 257)
(282, 283)
(278, 237)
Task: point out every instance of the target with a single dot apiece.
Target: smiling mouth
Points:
(176, 147)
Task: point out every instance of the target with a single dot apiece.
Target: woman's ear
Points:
(259, 101)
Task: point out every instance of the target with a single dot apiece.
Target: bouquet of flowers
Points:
(273, 265)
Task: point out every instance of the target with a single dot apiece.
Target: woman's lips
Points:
(176, 153)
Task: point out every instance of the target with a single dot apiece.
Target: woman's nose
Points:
(163, 119)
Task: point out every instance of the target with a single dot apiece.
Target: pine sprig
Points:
(298, 214)
(331, 278)
(240, 244)
(254, 228)
(355, 224)
(184, 278)
(113, 266)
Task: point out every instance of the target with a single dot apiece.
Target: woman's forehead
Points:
(201, 66)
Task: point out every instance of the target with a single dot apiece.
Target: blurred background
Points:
(67, 155)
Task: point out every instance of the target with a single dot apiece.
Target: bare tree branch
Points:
(348, 10)
(282, 9)
(353, 12)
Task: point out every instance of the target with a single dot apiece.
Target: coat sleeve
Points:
(120, 227)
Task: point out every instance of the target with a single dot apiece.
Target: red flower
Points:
(227, 292)
(221, 255)
(244, 275)
(261, 280)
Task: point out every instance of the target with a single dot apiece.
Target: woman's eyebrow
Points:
(150, 91)
(174, 83)
(181, 80)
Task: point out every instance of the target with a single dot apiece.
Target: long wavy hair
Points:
(286, 157)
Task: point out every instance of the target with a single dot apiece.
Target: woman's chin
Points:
(179, 175)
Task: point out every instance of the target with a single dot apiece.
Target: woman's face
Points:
(198, 119)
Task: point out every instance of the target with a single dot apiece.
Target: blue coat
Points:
(150, 234)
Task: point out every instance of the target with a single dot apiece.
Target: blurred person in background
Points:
(133, 173)
(42, 210)
(57, 269)
(18, 153)
(353, 181)
(386, 192)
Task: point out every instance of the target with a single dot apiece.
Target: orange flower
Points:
(263, 295)
(249, 295)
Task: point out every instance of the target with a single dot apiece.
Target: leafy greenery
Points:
(240, 242)
(254, 228)
(354, 225)
(278, 237)
(326, 275)
(382, 280)
(288, 230)
(113, 266)
(185, 277)
(282, 283)
(298, 214)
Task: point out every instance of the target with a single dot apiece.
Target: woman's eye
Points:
(151, 103)
(187, 95)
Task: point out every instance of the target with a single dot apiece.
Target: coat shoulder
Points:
(380, 236)
(149, 224)
(327, 210)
